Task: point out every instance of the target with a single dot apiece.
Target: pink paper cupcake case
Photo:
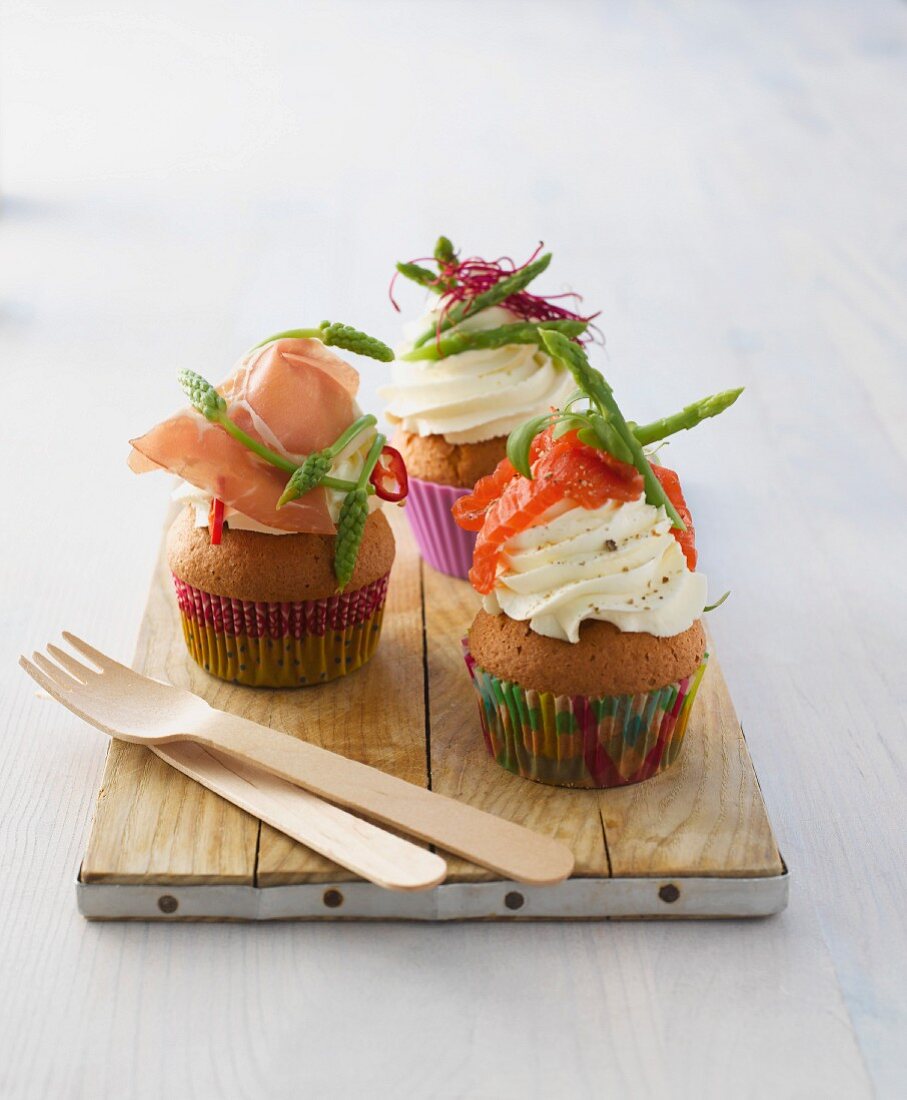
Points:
(444, 545)
(281, 644)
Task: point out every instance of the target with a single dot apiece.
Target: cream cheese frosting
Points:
(618, 563)
(475, 395)
(347, 465)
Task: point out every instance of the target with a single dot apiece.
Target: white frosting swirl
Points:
(618, 563)
(475, 395)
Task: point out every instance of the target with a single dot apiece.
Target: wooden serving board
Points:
(692, 842)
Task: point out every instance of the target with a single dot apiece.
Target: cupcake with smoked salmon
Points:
(280, 554)
(470, 370)
(589, 649)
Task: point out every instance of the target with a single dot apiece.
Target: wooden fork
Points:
(374, 853)
(134, 708)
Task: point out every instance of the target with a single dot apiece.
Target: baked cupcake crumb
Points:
(432, 458)
(605, 660)
(251, 565)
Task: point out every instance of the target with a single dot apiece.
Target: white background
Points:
(726, 182)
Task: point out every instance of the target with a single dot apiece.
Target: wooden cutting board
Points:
(695, 841)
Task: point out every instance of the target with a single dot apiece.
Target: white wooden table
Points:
(726, 181)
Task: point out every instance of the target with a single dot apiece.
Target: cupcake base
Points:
(583, 741)
(281, 645)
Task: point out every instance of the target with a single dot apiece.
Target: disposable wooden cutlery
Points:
(124, 704)
(368, 850)
(372, 852)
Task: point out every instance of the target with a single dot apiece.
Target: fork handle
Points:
(511, 850)
(371, 852)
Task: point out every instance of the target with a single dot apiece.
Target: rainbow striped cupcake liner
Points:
(578, 740)
(282, 645)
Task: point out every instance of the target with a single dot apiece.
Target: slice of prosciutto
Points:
(294, 396)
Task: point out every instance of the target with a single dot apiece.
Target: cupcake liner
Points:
(445, 546)
(289, 644)
(579, 740)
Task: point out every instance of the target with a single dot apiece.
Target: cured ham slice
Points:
(294, 396)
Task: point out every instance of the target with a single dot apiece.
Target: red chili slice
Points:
(216, 520)
(389, 475)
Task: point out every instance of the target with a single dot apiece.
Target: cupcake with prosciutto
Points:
(280, 554)
(589, 649)
(471, 369)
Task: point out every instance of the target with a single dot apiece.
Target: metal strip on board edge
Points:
(576, 899)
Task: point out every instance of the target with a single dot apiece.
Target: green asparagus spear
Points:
(340, 336)
(444, 251)
(601, 433)
(523, 332)
(351, 339)
(316, 468)
(591, 429)
(502, 289)
(353, 514)
(687, 418)
(519, 442)
(350, 529)
(424, 276)
(306, 477)
(347, 436)
(421, 275)
(601, 394)
(205, 399)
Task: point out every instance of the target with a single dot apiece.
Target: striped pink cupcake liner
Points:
(297, 619)
(444, 545)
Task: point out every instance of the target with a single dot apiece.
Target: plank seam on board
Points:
(601, 818)
(143, 663)
(426, 681)
(255, 881)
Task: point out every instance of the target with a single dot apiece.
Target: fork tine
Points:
(94, 655)
(43, 681)
(72, 666)
(62, 679)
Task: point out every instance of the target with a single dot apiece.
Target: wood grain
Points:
(460, 764)
(705, 816)
(151, 823)
(376, 715)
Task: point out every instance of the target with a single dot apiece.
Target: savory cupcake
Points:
(470, 370)
(589, 649)
(280, 556)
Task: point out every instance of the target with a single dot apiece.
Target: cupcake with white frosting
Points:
(469, 371)
(589, 649)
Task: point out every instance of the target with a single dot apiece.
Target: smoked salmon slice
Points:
(294, 396)
(563, 469)
(670, 482)
(470, 511)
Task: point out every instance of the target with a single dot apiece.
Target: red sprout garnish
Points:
(465, 280)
